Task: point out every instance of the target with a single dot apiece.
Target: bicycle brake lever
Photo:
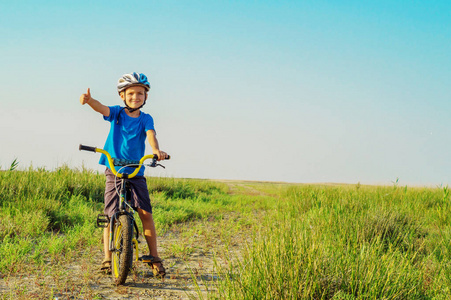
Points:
(154, 164)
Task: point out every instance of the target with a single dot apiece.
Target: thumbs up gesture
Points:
(84, 98)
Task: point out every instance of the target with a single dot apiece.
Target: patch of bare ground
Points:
(189, 251)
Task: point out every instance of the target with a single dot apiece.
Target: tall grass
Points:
(348, 242)
(37, 209)
(309, 242)
(50, 216)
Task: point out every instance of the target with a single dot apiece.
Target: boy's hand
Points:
(84, 98)
(161, 155)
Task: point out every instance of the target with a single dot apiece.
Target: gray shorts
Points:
(139, 193)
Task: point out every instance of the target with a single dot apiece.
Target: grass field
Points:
(348, 242)
(300, 242)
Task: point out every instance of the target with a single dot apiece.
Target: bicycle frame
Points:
(116, 245)
(124, 206)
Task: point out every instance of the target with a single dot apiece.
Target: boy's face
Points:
(134, 96)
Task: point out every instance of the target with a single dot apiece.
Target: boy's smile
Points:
(134, 96)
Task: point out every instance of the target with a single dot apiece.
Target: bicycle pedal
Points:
(146, 258)
(102, 220)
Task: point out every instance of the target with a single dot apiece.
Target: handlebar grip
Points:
(87, 148)
(156, 156)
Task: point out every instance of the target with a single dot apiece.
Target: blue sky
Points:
(297, 91)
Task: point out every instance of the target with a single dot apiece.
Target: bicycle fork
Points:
(123, 203)
(116, 215)
(135, 234)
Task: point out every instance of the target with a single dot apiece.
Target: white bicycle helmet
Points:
(133, 79)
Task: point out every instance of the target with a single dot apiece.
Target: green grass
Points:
(307, 241)
(348, 242)
(50, 216)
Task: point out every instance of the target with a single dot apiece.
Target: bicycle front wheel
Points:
(122, 256)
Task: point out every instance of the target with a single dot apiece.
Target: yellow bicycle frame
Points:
(120, 175)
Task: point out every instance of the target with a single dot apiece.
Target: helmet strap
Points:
(132, 109)
(129, 109)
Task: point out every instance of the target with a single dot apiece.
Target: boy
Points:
(126, 139)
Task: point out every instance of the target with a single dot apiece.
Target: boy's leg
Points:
(106, 263)
(149, 231)
(106, 244)
(151, 239)
(111, 204)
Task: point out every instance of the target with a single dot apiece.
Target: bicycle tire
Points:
(122, 257)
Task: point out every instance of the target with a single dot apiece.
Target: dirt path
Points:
(189, 251)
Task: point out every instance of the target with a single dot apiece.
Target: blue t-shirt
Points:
(127, 137)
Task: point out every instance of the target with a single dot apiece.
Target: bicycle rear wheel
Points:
(122, 257)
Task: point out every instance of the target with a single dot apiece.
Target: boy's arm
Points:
(95, 105)
(151, 136)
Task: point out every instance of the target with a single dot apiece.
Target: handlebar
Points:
(121, 162)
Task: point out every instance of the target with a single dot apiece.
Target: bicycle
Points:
(124, 233)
